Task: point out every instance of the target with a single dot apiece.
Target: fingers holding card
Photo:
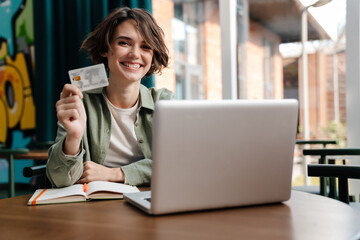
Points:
(71, 112)
(70, 108)
(70, 90)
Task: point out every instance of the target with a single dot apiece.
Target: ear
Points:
(103, 55)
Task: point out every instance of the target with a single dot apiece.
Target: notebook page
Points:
(53, 193)
(110, 187)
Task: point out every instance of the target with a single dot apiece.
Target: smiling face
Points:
(130, 57)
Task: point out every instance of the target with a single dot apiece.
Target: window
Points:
(197, 46)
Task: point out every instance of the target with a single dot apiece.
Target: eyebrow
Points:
(127, 38)
(123, 37)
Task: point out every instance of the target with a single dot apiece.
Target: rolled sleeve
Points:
(138, 173)
(63, 170)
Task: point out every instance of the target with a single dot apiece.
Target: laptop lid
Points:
(215, 154)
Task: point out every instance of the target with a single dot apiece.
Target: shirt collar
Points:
(96, 91)
(146, 98)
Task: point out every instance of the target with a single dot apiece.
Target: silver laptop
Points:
(218, 154)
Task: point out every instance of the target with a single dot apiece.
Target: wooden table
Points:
(12, 154)
(35, 154)
(304, 216)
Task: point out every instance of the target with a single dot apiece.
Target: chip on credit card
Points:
(89, 78)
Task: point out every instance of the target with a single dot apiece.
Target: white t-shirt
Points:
(123, 148)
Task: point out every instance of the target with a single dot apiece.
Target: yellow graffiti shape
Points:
(3, 122)
(3, 50)
(27, 120)
(11, 93)
(15, 91)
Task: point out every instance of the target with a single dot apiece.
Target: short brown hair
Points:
(98, 42)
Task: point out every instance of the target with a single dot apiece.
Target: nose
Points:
(134, 52)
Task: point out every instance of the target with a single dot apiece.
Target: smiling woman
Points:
(129, 57)
(105, 134)
(100, 40)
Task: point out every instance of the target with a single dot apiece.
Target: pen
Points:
(85, 187)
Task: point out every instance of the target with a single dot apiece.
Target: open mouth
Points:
(131, 65)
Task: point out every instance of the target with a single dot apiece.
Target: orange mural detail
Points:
(17, 109)
(3, 122)
(16, 100)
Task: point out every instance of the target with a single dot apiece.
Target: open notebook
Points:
(81, 193)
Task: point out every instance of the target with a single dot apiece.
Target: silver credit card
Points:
(88, 78)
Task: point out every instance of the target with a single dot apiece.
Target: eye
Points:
(123, 43)
(146, 47)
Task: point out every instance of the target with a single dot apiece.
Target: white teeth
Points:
(135, 65)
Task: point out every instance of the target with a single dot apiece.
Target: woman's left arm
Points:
(138, 173)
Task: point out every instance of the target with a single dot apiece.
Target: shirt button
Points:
(136, 124)
(107, 130)
(141, 141)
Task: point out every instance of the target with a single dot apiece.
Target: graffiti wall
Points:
(17, 110)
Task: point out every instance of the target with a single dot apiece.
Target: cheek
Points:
(150, 62)
(113, 57)
(149, 58)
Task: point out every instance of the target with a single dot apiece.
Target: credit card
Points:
(89, 78)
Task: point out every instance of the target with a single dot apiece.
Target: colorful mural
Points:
(17, 110)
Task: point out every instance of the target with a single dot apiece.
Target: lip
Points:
(131, 65)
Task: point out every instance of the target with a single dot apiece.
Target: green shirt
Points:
(63, 170)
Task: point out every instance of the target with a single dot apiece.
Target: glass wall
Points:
(269, 54)
(187, 35)
(269, 35)
(192, 42)
(195, 43)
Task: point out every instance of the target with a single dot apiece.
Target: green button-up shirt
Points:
(63, 170)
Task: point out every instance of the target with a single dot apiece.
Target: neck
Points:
(123, 95)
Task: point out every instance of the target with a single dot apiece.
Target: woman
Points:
(105, 134)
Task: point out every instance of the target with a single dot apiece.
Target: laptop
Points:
(219, 154)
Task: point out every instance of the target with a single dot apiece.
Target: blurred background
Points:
(236, 49)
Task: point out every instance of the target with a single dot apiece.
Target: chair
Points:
(312, 142)
(324, 143)
(341, 172)
(9, 155)
(341, 153)
(332, 172)
(38, 171)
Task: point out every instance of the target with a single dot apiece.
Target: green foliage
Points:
(337, 130)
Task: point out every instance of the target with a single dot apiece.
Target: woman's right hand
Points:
(71, 114)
